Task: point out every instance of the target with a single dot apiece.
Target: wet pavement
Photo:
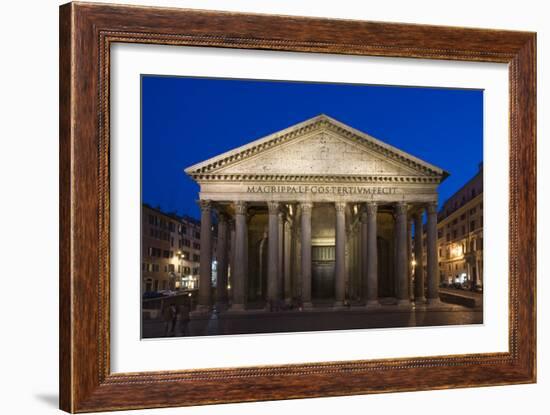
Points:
(318, 319)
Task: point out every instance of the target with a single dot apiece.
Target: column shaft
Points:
(222, 248)
(239, 277)
(340, 266)
(296, 258)
(306, 253)
(372, 256)
(433, 269)
(419, 292)
(273, 255)
(287, 262)
(280, 253)
(232, 255)
(401, 267)
(410, 288)
(205, 266)
(364, 253)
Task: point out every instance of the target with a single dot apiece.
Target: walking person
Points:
(184, 319)
(170, 315)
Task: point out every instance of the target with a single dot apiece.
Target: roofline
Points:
(244, 147)
(470, 180)
(173, 216)
(192, 169)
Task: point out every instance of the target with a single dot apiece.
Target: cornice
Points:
(321, 122)
(269, 178)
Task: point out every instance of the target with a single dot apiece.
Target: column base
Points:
(222, 306)
(420, 300)
(236, 308)
(338, 305)
(404, 303)
(373, 304)
(202, 311)
(434, 303)
(307, 305)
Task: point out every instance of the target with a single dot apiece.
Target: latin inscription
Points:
(335, 190)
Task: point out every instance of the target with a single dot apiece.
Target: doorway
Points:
(322, 272)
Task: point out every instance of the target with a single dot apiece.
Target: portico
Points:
(319, 213)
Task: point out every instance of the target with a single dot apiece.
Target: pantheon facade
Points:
(318, 213)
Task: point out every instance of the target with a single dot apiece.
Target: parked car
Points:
(152, 294)
(168, 293)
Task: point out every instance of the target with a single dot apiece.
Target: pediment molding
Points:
(212, 169)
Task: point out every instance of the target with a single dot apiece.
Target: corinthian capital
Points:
(273, 207)
(431, 208)
(340, 207)
(222, 216)
(205, 205)
(306, 207)
(400, 208)
(372, 208)
(364, 213)
(241, 207)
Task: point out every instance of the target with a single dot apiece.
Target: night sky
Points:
(188, 120)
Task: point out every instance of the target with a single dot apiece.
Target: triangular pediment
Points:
(320, 146)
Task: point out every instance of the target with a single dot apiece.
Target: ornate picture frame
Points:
(87, 32)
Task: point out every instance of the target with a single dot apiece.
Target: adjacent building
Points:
(170, 248)
(460, 235)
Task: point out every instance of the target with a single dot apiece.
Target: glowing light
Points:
(456, 250)
(413, 263)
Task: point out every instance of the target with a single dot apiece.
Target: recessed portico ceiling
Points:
(320, 147)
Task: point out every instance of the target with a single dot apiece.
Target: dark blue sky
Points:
(188, 120)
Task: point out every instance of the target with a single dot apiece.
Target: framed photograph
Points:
(259, 207)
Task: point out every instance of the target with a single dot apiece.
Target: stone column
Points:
(364, 253)
(352, 262)
(356, 262)
(433, 268)
(239, 277)
(281, 253)
(232, 256)
(246, 283)
(410, 289)
(260, 276)
(287, 262)
(221, 291)
(401, 267)
(306, 253)
(205, 266)
(372, 256)
(419, 258)
(296, 256)
(348, 284)
(340, 266)
(273, 255)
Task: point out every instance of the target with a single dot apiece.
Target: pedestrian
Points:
(170, 315)
(184, 319)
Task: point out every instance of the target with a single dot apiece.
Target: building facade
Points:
(460, 235)
(317, 212)
(170, 249)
